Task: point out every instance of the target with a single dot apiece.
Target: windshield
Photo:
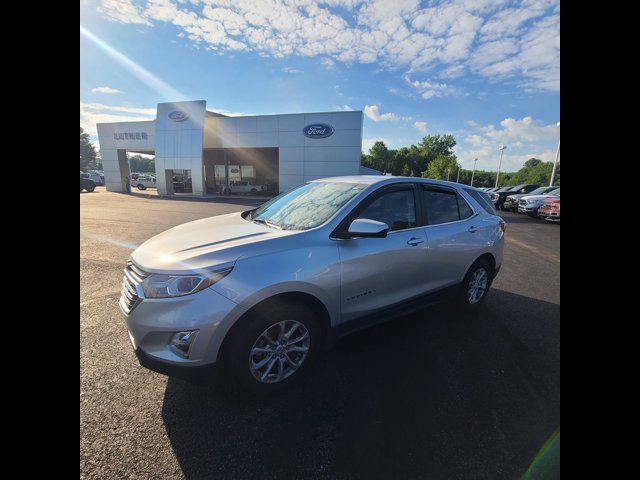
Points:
(540, 191)
(504, 189)
(307, 206)
(555, 192)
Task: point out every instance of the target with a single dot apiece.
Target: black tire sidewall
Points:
(235, 356)
(462, 300)
(90, 188)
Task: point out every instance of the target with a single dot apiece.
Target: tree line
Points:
(433, 157)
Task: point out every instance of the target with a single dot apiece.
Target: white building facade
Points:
(212, 150)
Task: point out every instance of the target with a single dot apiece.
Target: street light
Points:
(502, 148)
(448, 171)
(555, 163)
(458, 177)
(474, 170)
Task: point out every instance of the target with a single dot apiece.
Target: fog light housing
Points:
(181, 342)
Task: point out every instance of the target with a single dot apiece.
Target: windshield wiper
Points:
(268, 223)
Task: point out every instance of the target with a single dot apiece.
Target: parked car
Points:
(86, 183)
(100, 174)
(243, 186)
(260, 292)
(529, 204)
(182, 184)
(503, 193)
(92, 176)
(550, 210)
(511, 202)
(143, 182)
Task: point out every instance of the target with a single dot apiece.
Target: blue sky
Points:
(486, 71)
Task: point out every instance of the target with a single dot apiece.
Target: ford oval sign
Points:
(178, 116)
(317, 130)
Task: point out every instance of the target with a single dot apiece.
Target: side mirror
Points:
(365, 228)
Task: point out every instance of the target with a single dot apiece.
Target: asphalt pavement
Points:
(433, 395)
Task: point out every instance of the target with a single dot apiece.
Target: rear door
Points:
(379, 272)
(454, 232)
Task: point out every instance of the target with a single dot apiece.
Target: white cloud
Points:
(343, 108)
(429, 90)
(524, 138)
(93, 113)
(291, 70)
(373, 112)
(328, 63)
(420, 126)
(494, 39)
(107, 90)
(123, 11)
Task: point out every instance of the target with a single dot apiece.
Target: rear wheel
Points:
(475, 285)
(90, 188)
(269, 352)
(141, 187)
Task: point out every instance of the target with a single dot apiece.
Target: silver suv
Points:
(262, 291)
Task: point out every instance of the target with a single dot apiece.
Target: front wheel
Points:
(475, 285)
(267, 353)
(141, 187)
(90, 188)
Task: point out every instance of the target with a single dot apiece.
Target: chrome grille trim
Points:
(131, 292)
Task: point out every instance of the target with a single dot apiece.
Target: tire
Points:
(90, 188)
(254, 191)
(237, 348)
(465, 299)
(141, 187)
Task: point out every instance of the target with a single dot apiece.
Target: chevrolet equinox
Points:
(260, 292)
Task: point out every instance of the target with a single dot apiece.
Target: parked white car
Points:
(92, 176)
(142, 182)
(243, 186)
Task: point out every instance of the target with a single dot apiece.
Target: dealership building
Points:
(202, 152)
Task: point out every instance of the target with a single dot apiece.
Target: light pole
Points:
(458, 177)
(474, 170)
(555, 163)
(448, 171)
(502, 148)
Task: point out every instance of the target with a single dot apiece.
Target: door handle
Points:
(473, 229)
(414, 241)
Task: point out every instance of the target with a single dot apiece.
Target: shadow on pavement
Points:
(435, 395)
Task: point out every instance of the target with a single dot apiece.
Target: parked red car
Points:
(550, 210)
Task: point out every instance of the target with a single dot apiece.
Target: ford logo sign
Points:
(178, 116)
(317, 130)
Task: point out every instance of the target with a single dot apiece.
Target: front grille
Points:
(129, 297)
(522, 203)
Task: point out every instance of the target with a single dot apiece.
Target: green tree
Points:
(380, 157)
(141, 164)
(442, 167)
(87, 151)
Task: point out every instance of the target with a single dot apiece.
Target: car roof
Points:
(389, 179)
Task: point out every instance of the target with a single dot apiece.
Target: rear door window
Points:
(444, 206)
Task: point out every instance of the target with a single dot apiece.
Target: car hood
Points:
(203, 244)
(517, 196)
(536, 197)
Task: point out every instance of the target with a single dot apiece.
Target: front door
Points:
(379, 272)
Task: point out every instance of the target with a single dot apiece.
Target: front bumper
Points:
(528, 209)
(551, 216)
(153, 321)
(510, 205)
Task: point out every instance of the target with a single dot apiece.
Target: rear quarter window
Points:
(483, 199)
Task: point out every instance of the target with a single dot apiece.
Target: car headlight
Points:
(166, 286)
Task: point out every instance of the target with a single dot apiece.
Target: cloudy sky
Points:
(487, 71)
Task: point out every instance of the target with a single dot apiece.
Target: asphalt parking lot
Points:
(434, 395)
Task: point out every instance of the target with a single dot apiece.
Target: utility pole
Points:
(555, 163)
(458, 178)
(448, 170)
(474, 170)
(502, 148)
